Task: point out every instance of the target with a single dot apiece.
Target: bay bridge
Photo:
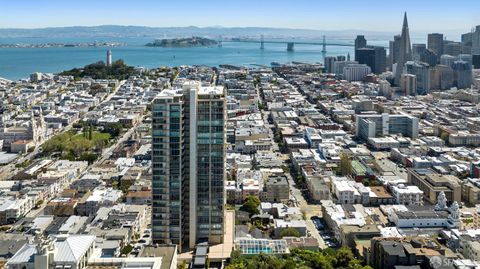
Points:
(290, 44)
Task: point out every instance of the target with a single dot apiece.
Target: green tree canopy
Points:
(300, 259)
(345, 165)
(99, 70)
(251, 205)
(114, 129)
(289, 231)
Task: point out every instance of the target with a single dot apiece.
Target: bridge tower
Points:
(262, 43)
(220, 42)
(290, 46)
(324, 48)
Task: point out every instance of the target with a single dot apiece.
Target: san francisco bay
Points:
(17, 63)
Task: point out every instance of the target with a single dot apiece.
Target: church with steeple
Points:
(440, 216)
(28, 128)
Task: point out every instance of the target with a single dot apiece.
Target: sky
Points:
(373, 15)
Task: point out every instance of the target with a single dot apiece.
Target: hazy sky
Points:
(376, 15)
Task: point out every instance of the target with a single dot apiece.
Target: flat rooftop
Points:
(217, 90)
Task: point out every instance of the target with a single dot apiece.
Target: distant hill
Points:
(210, 32)
(175, 32)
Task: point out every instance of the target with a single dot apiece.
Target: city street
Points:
(309, 209)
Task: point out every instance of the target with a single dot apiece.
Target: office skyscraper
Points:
(476, 47)
(188, 157)
(447, 60)
(435, 43)
(429, 57)
(452, 48)
(466, 57)
(360, 42)
(394, 50)
(405, 50)
(462, 74)
(476, 41)
(417, 49)
(375, 57)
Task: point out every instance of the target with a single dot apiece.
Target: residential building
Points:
(422, 72)
(407, 195)
(372, 125)
(356, 72)
(65, 251)
(189, 165)
(471, 191)
(277, 189)
(408, 84)
(345, 192)
(464, 139)
(329, 62)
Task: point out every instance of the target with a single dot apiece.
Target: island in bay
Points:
(183, 42)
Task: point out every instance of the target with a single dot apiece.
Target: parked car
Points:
(317, 222)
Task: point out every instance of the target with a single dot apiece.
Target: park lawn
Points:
(95, 136)
(75, 143)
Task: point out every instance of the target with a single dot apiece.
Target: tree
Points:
(126, 249)
(39, 203)
(264, 261)
(99, 145)
(80, 146)
(300, 179)
(90, 132)
(344, 255)
(183, 265)
(99, 70)
(114, 129)
(299, 259)
(89, 157)
(289, 232)
(345, 165)
(236, 254)
(251, 205)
